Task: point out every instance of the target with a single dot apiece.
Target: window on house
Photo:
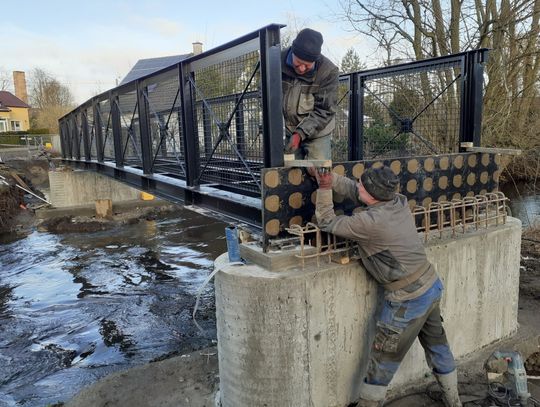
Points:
(15, 125)
(3, 125)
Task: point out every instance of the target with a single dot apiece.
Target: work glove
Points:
(293, 144)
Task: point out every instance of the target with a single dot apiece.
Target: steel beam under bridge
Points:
(207, 199)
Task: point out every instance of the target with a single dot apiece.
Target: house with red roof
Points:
(14, 113)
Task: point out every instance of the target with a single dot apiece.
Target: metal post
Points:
(76, 135)
(98, 130)
(144, 128)
(272, 114)
(62, 131)
(116, 128)
(86, 139)
(472, 71)
(189, 130)
(359, 83)
(355, 119)
(480, 58)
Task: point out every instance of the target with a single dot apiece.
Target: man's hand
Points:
(324, 179)
(293, 144)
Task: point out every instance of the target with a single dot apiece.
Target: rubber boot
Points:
(449, 386)
(371, 395)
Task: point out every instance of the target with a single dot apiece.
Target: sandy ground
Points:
(189, 380)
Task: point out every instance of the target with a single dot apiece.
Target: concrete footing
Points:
(301, 336)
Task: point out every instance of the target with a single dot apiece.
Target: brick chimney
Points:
(197, 48)
(19, 80)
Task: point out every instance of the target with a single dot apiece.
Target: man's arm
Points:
(360, 226)
(346, 187)
(324, 109)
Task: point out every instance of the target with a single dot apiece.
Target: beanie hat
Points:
(307, 45)
(380, 183)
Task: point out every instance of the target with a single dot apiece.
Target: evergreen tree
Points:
(351, 62)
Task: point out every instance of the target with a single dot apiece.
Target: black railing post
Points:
(472, 71)
(76, 136)
(62, 131)
(116, 128)
(98, 130)
(189, 130)
(144, 128)
(360, 84)
(272, 114)
(355, 118)
(86, 138)
(68, 139)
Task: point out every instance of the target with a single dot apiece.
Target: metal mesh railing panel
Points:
(129, 124)
(91, 132)
(229, 122)
(164, 111)
(412, 113)
(340, 137)
(106, 130)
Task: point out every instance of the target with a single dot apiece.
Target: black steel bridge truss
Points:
(201, 131)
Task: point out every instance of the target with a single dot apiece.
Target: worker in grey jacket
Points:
(309, 82)
(394, 255)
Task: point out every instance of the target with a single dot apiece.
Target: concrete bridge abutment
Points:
(78, 188)
(293, 336)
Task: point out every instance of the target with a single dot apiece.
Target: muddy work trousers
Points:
(398, 326)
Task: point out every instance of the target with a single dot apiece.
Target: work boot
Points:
(371, 395)
(449, 387)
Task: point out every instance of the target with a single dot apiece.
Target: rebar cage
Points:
(203, 130)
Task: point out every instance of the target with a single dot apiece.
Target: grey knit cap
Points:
(380, 183)
(307, 45)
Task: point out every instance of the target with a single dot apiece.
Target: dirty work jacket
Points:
(310, 100)
(390, 246)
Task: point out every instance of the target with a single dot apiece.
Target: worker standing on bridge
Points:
(310, 82)
(394, 255)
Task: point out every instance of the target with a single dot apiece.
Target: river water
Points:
(524, 202)
(75, 307)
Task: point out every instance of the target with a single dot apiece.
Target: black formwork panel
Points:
(412, 112)
(106, 130)
(340, 136)
(129, 124)
(228, 112)
(289, 193)
(162, 95)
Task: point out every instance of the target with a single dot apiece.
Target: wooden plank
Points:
(19, 180)
(506, 151)
(308, 163)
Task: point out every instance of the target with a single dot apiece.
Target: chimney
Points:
(197, 48)
(19, 80)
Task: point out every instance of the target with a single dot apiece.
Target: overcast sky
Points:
(88, 45)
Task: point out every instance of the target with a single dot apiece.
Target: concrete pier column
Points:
(293, 336)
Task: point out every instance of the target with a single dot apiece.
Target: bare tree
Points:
(5, 80)
(419, 29)
(49, 99)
